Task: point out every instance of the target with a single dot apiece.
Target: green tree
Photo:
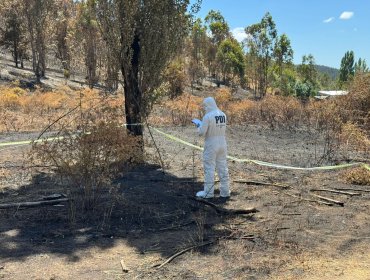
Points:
(144, 36)
(283, 52)
(261, 41)
(346, 70)
(307, 72)
(361, 66)
(231, 58)
(218, 26)
(198, 43)
(219, 31)
(303, 90)
(283, 56)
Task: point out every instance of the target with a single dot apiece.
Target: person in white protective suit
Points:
(213, 128)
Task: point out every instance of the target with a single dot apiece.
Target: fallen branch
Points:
(261, 183)
(32, 204)
(223, 210)
(308, 200)
(182, 252)
(357, 190)
(329, 199)
(335, 191)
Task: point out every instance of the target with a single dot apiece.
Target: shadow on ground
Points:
(152, 211)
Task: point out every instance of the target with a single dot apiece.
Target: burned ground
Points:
(294, 234)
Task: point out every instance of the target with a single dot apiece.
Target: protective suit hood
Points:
(209, 104)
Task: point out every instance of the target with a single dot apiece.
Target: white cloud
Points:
(328, 20)
(239, 34)
(346, 15)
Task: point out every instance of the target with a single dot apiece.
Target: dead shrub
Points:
(45, 102)
(86, 162)
(245, 111)
(26, 111)
(352, 138)
(280, 111)
(355, 106)
(223, 97)
(11, 98)
(183, 109)
(357, 176)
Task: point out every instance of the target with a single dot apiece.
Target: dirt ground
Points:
(293, 236)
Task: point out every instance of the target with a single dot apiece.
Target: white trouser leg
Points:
(223, 173)
(209, 164)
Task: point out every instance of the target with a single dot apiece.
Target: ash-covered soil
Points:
(294, 235)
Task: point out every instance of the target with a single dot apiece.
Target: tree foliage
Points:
(219, 30)
(347, 70)
(144, 36)
(13, 36)
(361, 66)
(231, 59)
(261, 41)
(307, 72)
(198, 51)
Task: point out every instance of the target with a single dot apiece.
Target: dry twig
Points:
(329, 199)
(183, 251)
(223, 210)
(251, 182)
(32, 204)
(336, 191)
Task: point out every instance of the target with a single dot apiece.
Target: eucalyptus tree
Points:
(219, 30)
(144, 36)
(218, 26)
(62, 32)
(87, 33)
(198, 42)
(231, 59)
(283, 52)
(308, 75)
(283, 57)
(307, 70)
(361, 66)
(347, 69)
(11, 34)
(38, 15)
(260, 42)
(13, 37)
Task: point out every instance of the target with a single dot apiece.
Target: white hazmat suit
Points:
(213, 128)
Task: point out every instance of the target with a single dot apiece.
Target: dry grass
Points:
(357, 176)
(181, 110)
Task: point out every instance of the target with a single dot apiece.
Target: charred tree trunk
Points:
(134, 96)
(15, 55)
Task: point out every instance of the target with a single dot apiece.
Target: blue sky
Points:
(324, 28)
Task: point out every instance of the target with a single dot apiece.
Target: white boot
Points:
(202, 194)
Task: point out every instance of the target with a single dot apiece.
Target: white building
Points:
(323, 94)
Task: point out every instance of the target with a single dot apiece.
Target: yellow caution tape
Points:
(27, 142)
(176, 139)
(263, 163)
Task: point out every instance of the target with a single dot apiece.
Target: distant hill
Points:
(332, 72)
